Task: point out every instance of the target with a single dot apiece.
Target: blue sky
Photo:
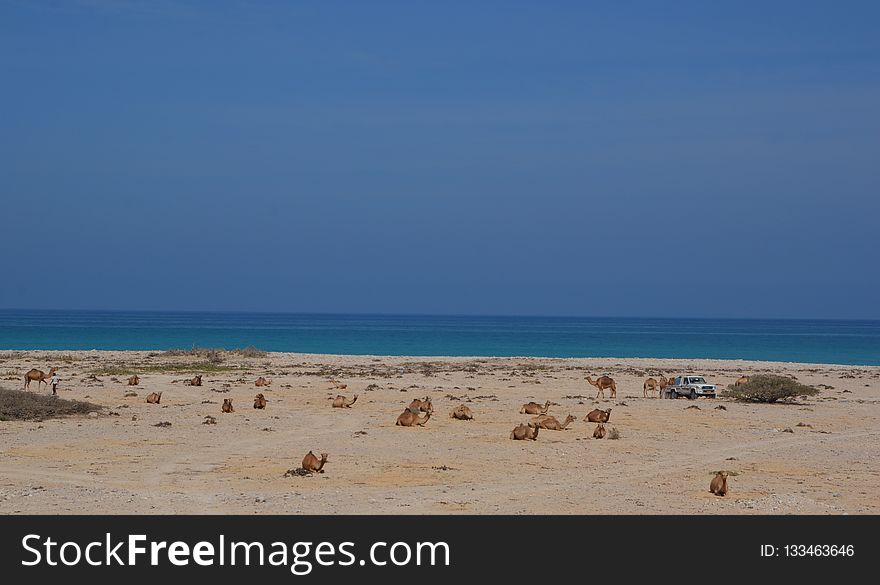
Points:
(617, 159)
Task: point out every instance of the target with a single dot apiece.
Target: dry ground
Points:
(120, 462)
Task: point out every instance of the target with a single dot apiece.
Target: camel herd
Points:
(420, 410)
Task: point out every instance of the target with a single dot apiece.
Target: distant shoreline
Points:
(781, 341)
(647, 362)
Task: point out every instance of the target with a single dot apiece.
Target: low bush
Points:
(768, 388)
(23, 405)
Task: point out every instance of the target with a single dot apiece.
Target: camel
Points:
(534, 408)
(227, 405)
(652, 384)
(419, 405)
(462, 412)
(313, 464)
(40, 376)
(603, 383)
(154, 397)
(261, 381)
(600, 432)
(197, 381)
(259, 402)
(338, 385)
(719, 484)
(547, 422)
(524, 432)
(742, 380)
(598, 416)
(342, 402)
(411, 419)
(134, 380)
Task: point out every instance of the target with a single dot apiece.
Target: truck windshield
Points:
(698, 380)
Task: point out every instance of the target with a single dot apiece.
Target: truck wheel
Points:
(674, 395)
(693, 394)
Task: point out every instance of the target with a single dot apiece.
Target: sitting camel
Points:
(599, 433)
(227, 406)
(742, 380)
(549, 423)
(524, 432)
(261, 381)
(411, 419)
(342, 402)
(134, 380)
(338, 385)
(598, 416)
(651, 384)
(196, 381)
(260, 401)
(40, 376)
(154, 397)
(313, 464)
(719, 484)
(419, 405)
(603, 383)
(534, 408)
(462, 412)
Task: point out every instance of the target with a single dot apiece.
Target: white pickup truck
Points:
(690, 386)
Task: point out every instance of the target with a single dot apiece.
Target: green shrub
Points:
(768, 388)
(19, 405)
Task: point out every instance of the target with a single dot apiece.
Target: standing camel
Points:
(603, 383)
(40, 376)
(652, 384)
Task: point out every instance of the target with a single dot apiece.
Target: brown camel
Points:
(524, 432)
(40, 376)
(313, 464)
(134, 380)
(600, 432)
(652, 384)
(154, 397)
(742, 380)
(338, 385)
(419, 405)
(227, 405)
(598, 416)
(462, 412)
(342, 402)
(534, 408)
(604, 383)
(261, 381)
(547, 422)
(260, 401)
(196, 381)
(411, 419)
(719, 484)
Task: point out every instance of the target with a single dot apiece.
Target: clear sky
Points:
(617, 159)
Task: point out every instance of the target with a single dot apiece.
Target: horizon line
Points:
(418, 314)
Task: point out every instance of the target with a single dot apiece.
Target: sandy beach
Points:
(120, 462)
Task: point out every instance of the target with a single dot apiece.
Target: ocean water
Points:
(836, 342)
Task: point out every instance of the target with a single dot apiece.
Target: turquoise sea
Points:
(836, 342)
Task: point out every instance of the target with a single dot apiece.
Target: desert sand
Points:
(120, 462)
